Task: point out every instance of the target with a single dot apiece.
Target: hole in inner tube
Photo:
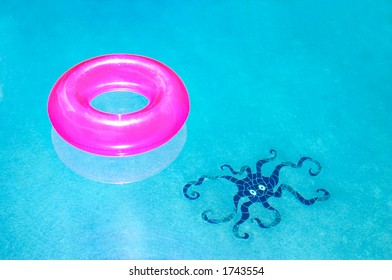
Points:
(119, 102)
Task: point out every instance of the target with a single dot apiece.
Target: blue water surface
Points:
(306, 78)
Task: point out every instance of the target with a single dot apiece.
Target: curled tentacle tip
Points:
(273, 151)
(204, 215)
(322, 190)
(192, 195)
(325, 196)
(211, 221)
(245, 236)
(314, 173)
(224, 166)
(237, 234)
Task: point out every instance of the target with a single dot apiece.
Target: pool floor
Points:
(308, 80)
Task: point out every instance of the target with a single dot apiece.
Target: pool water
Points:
(303, 78)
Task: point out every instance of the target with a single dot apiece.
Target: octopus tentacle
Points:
(304, 200)
(228, 218)
(275, 173)
(261, 162)
(236, 200)
(217, 221)
(242, 170)
(303, 159)
(244, 218)
(276, 219)
(229, 178)
(195, 195)
(278, 192)
(325, 196)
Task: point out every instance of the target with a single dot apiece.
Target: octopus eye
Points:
(253, 192)
(261, 187)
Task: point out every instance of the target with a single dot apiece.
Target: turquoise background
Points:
(307, 78)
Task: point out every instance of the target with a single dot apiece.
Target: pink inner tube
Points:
(90, 130)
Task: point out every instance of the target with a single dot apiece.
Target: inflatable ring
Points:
(93, 131)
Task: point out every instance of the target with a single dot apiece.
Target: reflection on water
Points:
(119, 170)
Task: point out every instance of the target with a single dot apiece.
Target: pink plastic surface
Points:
(90, 130)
